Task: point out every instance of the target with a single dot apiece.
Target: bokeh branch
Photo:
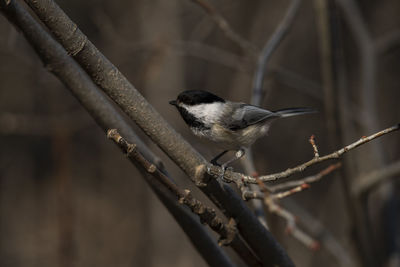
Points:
(268, 50)
(225, 27)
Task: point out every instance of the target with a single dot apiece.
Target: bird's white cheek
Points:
(207, 113)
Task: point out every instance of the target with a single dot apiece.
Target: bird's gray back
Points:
(244, 115)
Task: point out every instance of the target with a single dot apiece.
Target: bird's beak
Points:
(172, 102)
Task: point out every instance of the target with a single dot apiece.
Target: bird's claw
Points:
(214, 162)
(222, 175)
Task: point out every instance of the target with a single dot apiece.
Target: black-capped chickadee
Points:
(231, 125)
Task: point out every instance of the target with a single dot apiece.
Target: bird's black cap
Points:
(195, 97)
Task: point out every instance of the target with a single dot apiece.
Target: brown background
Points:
(68, 197)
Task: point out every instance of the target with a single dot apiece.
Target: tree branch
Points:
(234, 176)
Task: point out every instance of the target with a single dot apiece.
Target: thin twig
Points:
(258, 205)
(335, 155)
(221, 22)
(269, 48)
(291, 191)
(291, 186)
(315, 148)
(270, 200)
(215, 171)
(207, 215)
(307, 180)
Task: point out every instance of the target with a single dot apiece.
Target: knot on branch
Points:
(209, 216)
(230, 233)
(200, 177)
(75, 41)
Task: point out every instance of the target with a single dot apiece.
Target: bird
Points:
(233, 126)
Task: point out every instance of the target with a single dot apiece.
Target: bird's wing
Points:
(245, 115)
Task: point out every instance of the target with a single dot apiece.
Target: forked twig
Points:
(235, 176)
(291, 187)
(335, 155)
(270, 200)
(308, 180)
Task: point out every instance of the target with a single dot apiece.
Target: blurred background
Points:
(68, 197)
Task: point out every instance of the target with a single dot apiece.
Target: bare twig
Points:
(303, 181)
(207, 215)
(270, 200)
(315, 148)
(291, 186)
(269, 48)
(292, 229)
(291, 191)
(232, 176)
(258, 205)
(221, 22)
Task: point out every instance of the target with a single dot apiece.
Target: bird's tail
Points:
(287, 112)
